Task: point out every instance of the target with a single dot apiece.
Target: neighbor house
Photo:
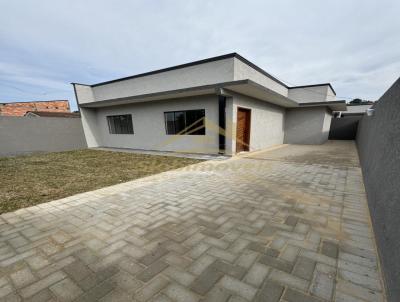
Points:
(21, 108)
(223, 105)
(354, 110)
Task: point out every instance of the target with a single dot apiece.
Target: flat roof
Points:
(314, 85)
(245, 87)
(333, 105)
(212, 59)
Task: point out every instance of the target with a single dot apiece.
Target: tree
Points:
(356, 101)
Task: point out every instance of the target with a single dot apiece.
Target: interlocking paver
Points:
(304, 268)
(284, 225)
(330, 249)
(276, 263)
(206, 280)
(217, 294)
(77, 270)
(296, 296)
(66, 290)
(22, 277)
(270, 292)
(151, 271)
(323, 286)
(238, 287)
(42, 284)
(288, 279)
(179, 293)
(257, 274)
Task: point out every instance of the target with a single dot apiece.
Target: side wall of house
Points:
(267, 122)
(149, 126)
(307, 125)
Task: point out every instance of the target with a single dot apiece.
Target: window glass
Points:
(190, 122)
(195, 122)
(120, 124)
(180, 124)
(169, 122)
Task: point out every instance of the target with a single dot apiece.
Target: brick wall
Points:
(20, 108)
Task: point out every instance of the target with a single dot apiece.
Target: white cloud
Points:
(47, 44)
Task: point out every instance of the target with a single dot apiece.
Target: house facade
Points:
(222, 105)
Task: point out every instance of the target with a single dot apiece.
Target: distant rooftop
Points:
(53, 114)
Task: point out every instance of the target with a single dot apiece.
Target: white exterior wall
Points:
(244, 72)
(311, 94)
(357, 108)
(331, 96)
(149, 126)
(197, 75)
(327, 124)
(307, 125)
(268, 125)
(267, 122)
(90, 127)
(84, 94)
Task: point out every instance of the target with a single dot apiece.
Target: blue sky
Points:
(45, 45)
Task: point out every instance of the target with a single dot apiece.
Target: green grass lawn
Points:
(34, 179)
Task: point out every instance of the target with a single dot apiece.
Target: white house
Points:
(354, 110)
(223, 104)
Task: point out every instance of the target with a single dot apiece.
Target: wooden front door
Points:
(243, 130)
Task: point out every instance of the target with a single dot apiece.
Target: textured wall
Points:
(344, 128)
(307, 126)
(267, 122)
(378, 141)
(22, 135)
(149, 126)
(311, 94)
(197, 75)
(244, 72)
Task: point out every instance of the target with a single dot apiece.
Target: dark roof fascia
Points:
(208, 60)
(365, 104)
(314, 85)
(213, 59)
(321, 103)
(344, 113)
(76, 95)
(325, 104)
(73, 83)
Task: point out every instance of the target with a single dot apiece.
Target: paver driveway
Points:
(289, 224)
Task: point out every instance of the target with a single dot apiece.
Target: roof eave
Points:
(333, 105)
(246, 87)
